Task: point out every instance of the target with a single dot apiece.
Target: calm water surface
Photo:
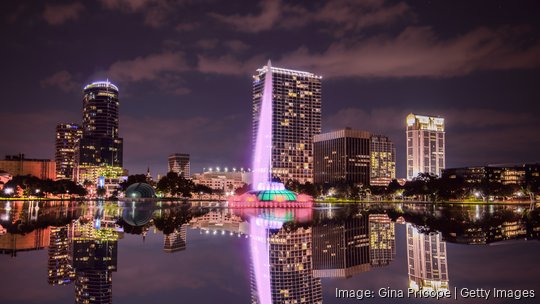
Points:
(103, 252)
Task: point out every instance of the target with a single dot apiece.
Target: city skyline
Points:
(485, 91)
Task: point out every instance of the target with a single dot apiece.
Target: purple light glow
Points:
(262, 165)
(260, 256)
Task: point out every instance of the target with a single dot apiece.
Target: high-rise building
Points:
(296, 117)
(383, 160)
(341, 248)
(20, 165)
(427, 262)
(425, 145)
(281, 264)
(100, 145)
(382, 240)
(68, 136)
(179, 163)
(94, 259)
(60, 271)
(175, 241)
(342, 155)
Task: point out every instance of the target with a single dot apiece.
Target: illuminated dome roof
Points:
(137, 216)
(140, 190)
(275, 195)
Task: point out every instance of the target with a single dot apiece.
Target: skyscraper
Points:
(94, 259)
(179, 163)
(342, 155)
(382, 240)
(281, 264)
(60, 271)
(296, 117)
(383, 160)
(425, 145)
(341, 247)
(100, 145)
(68, 136)
(427, 263)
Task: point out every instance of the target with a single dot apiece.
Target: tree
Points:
(133, 179)
(100, 191)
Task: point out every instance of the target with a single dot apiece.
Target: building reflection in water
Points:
(60, 271)
(281, 262)
(426, 257)
(175, 241)
(382, 240)
(94, 260)
(341, 247)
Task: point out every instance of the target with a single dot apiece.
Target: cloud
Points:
(265, 20)
(346, 14)
(229, 65)
(236, 46)
(61, 13)
(150, 67)
(33, 132)
(417, 52)
(156, 12)
(62, 79)
(186, 26)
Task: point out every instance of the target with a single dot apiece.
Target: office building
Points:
(12, 243)
(506, 174)
(342, 155)
(179, 163)
(425, 145)
(383, 160)
(175, 241)
(68, 136)
(382, 240)
(296, 115)
(426, 260)
(281, 264)
(100, 145)
(60, 271)
(94, 260)
(222, 179)
(20, 165)
(341, 247)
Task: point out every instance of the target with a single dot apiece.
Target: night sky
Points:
(184, 72)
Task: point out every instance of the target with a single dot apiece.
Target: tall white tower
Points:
(425, 145)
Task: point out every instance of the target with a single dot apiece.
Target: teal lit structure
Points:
(140, 190)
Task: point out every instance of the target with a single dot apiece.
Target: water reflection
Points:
(291, 252)
(426, 258)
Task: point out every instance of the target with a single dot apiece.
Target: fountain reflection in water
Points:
(266, 193)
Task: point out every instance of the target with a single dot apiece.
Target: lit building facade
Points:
(296, 118)
(94, 259)
(342, 155)
(222, 179)
(179, 163)
(68, 136)
(60, 271)
(281, 264)
(20, 165)
(427, 260)
(341, 248)
(175, 241)
(382, 240)
(100, 145)
(425, 145)
(383, 160)
(505, 174)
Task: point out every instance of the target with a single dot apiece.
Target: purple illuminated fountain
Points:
(265, 192)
